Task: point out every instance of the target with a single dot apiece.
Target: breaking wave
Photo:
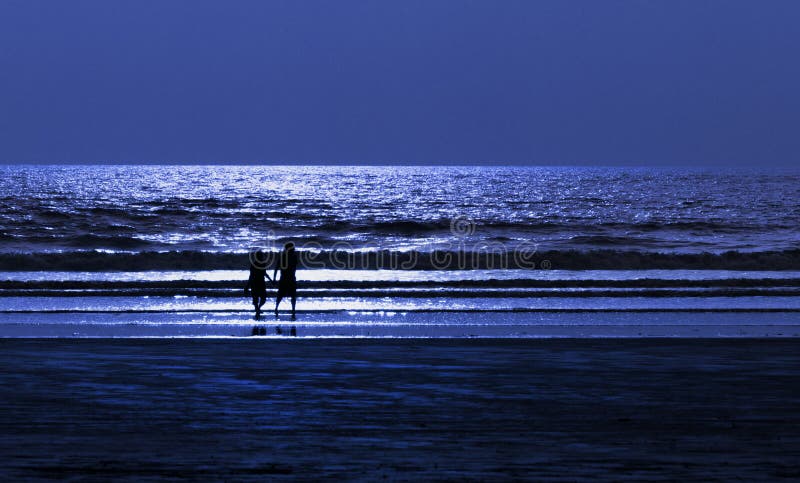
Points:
(600, 259)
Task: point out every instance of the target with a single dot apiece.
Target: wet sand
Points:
(250, 409)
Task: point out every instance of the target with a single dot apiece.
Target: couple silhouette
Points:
(287, 283)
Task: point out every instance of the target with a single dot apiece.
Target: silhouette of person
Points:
(287, 284)
(256, 282)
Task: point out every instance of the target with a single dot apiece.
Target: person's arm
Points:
(247, 286)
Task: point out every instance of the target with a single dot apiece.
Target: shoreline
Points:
(404, 324)
(434, 304)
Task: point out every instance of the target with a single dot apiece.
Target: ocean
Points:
(401, 251)
(227, 209)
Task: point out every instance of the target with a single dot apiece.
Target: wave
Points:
(407, 227)
(601, 240)
(412, 227)
(601, 259)
(323, 217)
(218, 286)
(120, 242)
(426, 294)
(117, 236)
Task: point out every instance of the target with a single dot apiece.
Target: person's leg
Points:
(294, 301)
(256, 306)
(278, 302)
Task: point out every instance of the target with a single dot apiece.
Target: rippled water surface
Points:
(207, 208)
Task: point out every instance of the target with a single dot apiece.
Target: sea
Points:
(411, 251)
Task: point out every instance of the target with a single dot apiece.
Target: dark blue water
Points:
(229, 209)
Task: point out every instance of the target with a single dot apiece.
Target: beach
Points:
(545, 409)
(399, 241)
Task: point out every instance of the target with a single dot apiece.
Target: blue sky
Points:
(590, 82)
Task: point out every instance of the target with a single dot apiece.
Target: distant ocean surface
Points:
(208, 217)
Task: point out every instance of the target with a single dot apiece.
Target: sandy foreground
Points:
(252, 409)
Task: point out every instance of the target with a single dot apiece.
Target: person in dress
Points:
(287, 284)
(256, 283)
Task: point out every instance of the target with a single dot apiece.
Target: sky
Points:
(563, 82)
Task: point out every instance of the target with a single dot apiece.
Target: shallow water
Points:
(431, 304)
